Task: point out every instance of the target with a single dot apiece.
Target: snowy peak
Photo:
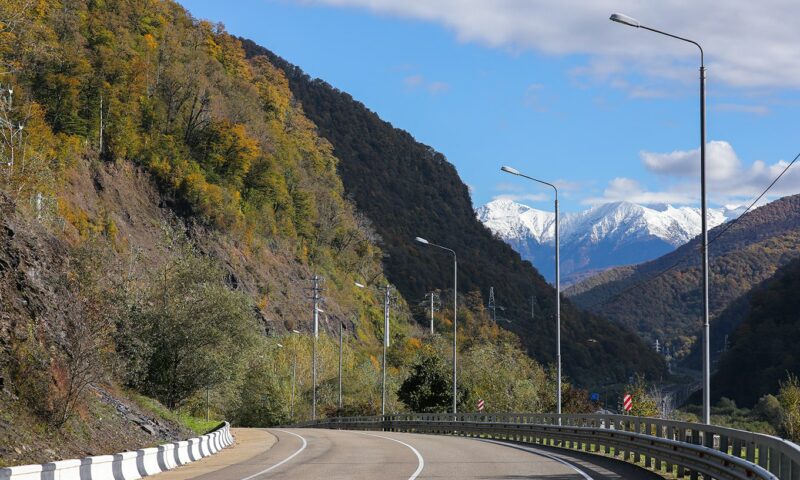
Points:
(512, 220)
(675, 225)
(601, 237)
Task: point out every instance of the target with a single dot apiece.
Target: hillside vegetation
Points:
(763, 348)
(162, 212)
(408, 189)
(667, 307)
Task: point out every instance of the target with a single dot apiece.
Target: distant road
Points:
(306, 454)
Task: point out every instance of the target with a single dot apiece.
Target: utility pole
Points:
(492, 305)
(341, 336)
(294, 377)
(385, 344)
(434, 297)
(315, 297)
(431, 313)
(101, 125)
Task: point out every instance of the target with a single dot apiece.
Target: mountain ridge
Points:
(660, 299)
(602, 237)
(408, 189)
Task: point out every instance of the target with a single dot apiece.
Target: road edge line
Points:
(536, 451)
(303, 447)
(420, 460)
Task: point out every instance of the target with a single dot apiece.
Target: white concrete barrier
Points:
(126, 465)
(147, 461)
(101, 466)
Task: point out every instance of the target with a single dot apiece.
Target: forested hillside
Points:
(763, 349)
(667, 306)
(409, 189)
(164, 205)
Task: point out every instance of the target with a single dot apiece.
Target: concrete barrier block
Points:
(147, 461)
(125, 466)
(216, 447)
(24, 472)
(182, 453)
(204, 450)
(62, 470)
(166, 458)
(100, 466)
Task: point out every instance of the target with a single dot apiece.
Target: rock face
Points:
(36, 303)
(31, 295)
(609, 235)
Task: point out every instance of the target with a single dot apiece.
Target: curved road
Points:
(333, 454)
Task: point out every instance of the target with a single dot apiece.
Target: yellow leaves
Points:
(213, 202)
(150, 42)
(413, 344)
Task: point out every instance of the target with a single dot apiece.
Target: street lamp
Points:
(626, 20)
(514, 171)
(455, 317)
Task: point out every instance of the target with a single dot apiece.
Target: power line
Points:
(685, 257)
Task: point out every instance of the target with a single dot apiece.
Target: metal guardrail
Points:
(666, 446)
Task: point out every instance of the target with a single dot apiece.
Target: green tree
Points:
(644, 404)
(194, 326)
(428, 387)
(789, 398)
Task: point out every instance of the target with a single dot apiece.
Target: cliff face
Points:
(37, 307)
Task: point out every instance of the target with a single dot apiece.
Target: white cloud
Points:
(722, 161)
(730, 182)
(416, 81)
(749, 44)
(534, 99)
(628, 189)
(736, 107)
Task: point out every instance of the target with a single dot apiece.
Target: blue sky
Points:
(608, 112)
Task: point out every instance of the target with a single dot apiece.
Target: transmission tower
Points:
(492, 305)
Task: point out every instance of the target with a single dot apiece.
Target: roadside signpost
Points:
(627, 402)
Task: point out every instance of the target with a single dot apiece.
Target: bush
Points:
(789, 398)
(768, 409)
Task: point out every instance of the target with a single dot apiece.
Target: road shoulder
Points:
(249, 443)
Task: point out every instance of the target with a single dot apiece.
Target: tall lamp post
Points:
(455, 318)
(514, 171)
(632, 22)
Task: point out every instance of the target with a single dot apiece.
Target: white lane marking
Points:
(419, 456)
(539, 452)
(303, 447)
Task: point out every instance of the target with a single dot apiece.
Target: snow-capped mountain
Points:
(605, 236)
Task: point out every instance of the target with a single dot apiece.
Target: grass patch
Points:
(196, 424)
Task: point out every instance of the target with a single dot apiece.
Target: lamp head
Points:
(625, 20)
(422, 241)
(511, 170)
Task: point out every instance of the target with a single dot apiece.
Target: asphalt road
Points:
(332, 454)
